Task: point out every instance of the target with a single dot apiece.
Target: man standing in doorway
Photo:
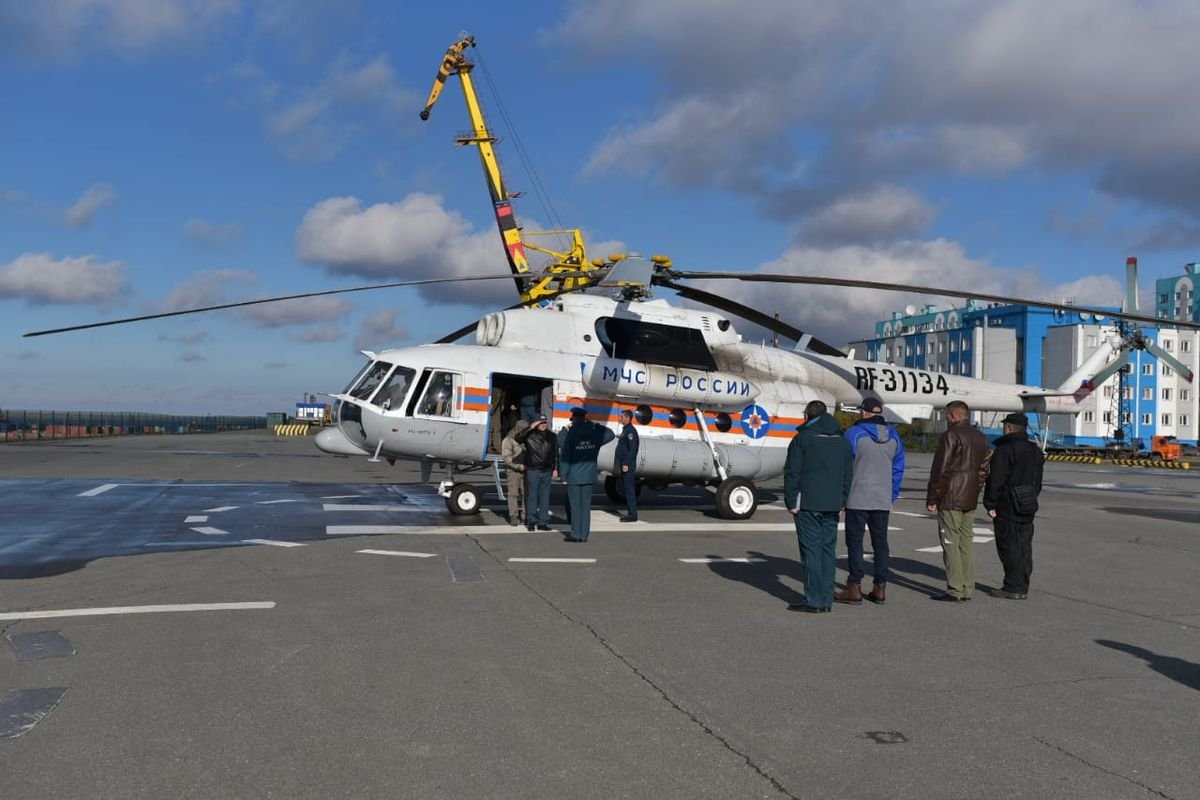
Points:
(878, 470)
(1011, 498)
(513, 454)
(816, 481)
(959, 469)
(541, 463)
(580, 448)
(627, 460)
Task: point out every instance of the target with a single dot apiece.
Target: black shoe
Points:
(797, 606)
(574, 541)
(946, 597)
(1005, 594)
(627, 519)
(529, 528)
(544, 528)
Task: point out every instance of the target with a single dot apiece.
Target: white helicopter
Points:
(714, 410)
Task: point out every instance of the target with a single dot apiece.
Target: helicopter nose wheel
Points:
(735, 499)
(463, 500)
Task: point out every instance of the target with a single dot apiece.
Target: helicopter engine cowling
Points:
(675, 385)
(671, 460)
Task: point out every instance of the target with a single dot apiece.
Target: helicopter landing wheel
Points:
(615, 490)
(735, 499)
(463, 500)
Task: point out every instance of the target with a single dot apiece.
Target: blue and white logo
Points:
(755, 421)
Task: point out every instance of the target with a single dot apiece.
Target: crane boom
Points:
(564, 272)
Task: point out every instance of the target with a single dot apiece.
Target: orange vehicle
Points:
(1165, 448)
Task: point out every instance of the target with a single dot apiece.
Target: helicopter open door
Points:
(513, 397)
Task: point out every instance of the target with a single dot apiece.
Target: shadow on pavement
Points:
(765, 576)
(1177, 669)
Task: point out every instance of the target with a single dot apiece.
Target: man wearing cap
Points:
(1010, 496)
(577, 456)
(959, 468)
(541, 463)
(513, 453)
(816, 482)
(627, 460)
(878, 470)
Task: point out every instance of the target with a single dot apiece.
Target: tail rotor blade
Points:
(1170, 360)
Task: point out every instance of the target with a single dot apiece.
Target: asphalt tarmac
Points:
(260, 652)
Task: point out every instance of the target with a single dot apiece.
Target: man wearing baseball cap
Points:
(878, 471)
(1010, 498)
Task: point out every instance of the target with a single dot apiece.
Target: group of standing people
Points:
(535, 456)
(861, 471)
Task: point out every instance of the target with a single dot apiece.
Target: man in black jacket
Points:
(1010, 497)
(627, 460)
(541, 464)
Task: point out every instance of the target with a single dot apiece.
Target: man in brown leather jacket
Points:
(959, 470)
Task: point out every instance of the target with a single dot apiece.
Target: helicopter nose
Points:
(332, 440)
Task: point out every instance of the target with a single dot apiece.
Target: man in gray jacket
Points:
(878, 471)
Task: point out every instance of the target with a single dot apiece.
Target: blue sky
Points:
(160, 155)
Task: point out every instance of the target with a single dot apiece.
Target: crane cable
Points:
(538, 187)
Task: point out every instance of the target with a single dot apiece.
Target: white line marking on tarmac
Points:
(273, 542)
(196, 518)
(976, 539)
(723, 560)
(926, 515)
(422, 530)
(211, 531)
(554, 560)
(359, 507)
(397, 553)
(97, 612)
(340, 496)
(218, 509)
(98, 490)
(273, 502)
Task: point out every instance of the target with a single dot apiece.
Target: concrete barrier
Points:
(1150, 463)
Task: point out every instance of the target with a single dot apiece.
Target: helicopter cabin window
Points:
(441, 396)
(654, 343)
(370, 380)
(677, 418)
(392, 392)
(723, 422)
(643, 414)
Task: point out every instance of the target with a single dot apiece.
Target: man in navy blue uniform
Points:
(627, 461)
(577, 457)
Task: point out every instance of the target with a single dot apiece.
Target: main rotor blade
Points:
(422, 282)
(815, 280)
(753, 315)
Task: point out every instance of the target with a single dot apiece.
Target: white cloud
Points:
(96, 197)
(302, 311)
(319, 333)
(880, 214)
(888, 90)
(40, 278)
(213, 234)
(64, 29)
(208, 288)
(838, 315)
(414, 238)
(380, 330)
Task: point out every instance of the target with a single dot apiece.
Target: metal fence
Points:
(24, 426)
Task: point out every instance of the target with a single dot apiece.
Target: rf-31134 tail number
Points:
(891, 379)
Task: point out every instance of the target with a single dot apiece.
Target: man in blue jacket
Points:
(577, 456)
(627, 460)
(878, 470)
(816, 482)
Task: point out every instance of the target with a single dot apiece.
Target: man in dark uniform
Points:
(627, 460)
(816, 482)
(580, 448)
(1010, 497)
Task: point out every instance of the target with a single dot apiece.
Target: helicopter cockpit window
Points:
(391, 394)
(370, 380)
(440, 395)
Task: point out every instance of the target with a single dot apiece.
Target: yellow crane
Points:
(569, 269)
